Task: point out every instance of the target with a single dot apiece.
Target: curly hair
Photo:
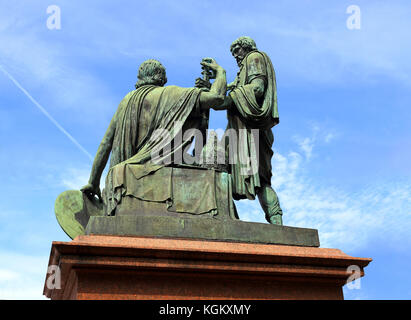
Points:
(148, 73)
(244, 42)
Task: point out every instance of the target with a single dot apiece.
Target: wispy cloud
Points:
(22, 276)
(348, 220)
(45, 65)
(310, 41)
(76, 178)
(44, 111)
(80, 73)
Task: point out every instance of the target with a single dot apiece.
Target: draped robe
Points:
(139, 116)
(250, 113)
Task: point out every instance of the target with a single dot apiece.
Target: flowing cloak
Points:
(252, 121)
(144, 113)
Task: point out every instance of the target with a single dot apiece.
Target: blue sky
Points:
(342, 148)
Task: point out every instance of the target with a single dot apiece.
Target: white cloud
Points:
(8, 275)
(348, 220)
(22, 276)
(329, 137)
(75, 178)
(319, 136)
(48, 68)
(311, 43)
(306, 145)
(312, 46)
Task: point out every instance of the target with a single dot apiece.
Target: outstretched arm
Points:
(258, 85)
(227, 103)
(93, 187)
(215, 96)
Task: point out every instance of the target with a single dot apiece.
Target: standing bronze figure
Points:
(254, 98)
(252, 105)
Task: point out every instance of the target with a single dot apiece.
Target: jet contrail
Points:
(46, 113)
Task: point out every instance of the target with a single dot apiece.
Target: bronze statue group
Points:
(250, 102)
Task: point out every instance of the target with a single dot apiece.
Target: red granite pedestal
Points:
(113, 267)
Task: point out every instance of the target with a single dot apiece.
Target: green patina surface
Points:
(73, 210)
(165, 194)
(204, 228)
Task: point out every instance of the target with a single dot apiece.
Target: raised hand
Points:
(210, 66)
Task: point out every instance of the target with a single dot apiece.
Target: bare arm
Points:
(258, 85)
(100, 161)
(228, 102)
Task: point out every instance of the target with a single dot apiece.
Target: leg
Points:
(266, 195)
(269, 202)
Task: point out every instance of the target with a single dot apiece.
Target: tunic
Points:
(252, 120)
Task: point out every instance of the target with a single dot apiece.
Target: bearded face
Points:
(239, 53)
